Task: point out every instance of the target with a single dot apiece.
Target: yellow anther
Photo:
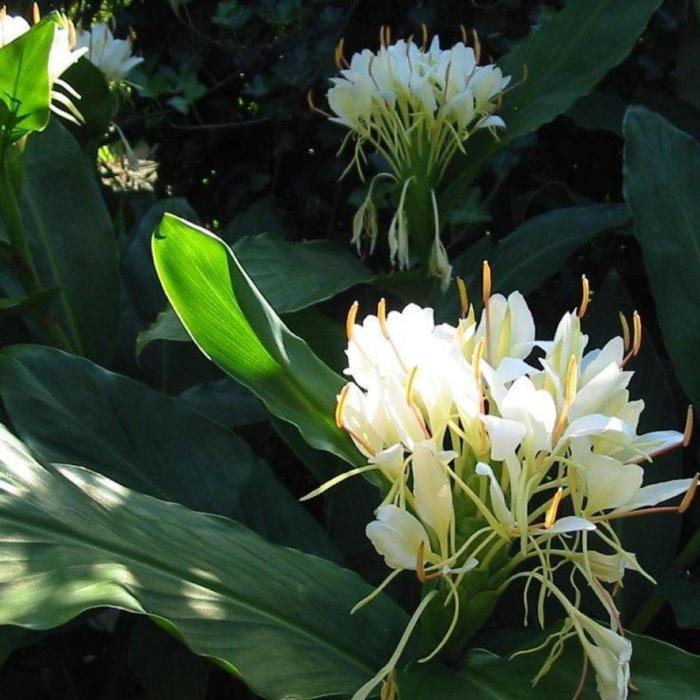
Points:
(409, 389)
(381, 37)
(551, 516)
(463, 297)
(486, 282)
(420, 566)
(689, 424)
(36, 13)
(3, 12)
(387, 35)
(72, 35)
(477, 357)
(340, 407)
(477, 46)
(585, 296)
(389, 687)
(381, 315)
(571, 380)
(689, 494)
(424, 35)
(350, 320)
(338, 54)
(637, 327)
(463, 31)
(625, 331)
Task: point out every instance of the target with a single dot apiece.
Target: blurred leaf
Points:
(662, 171)
(281, 618)
(538, 249)
(72, 239)
(31, 305)
(25, 90)
(148, 442)
(97, 104)
(226, 401)
(292, 276)
(167, 326)
(565, 57)
(683, 593)
(237, 329)
(661, 671)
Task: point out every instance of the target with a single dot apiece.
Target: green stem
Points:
(27, 273)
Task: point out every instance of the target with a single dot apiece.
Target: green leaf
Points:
(71, 540)
(227, 402)
(71, 410)
(97, 104)
(662, 171)
(293, 276)
(661, 671)
(538, 249)
(565, 58)
(237, 329)
(167, 326)
(72, 240)
(25, 90)
(31, 305)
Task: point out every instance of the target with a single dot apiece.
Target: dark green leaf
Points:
(72, 239)
(226, 401)
(167, 326)
(73, 540)
(292, 276)
(97, 104)
(565, 57)
(662, 171)
(238, 330)
(71, 410)
(661, 671)
(35, 303)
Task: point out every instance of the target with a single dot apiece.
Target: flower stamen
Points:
(585, 296)
(463, 297)
(553, 510)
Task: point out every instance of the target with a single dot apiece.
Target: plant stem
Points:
(27, 273)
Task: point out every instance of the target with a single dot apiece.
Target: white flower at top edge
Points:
(112, 56)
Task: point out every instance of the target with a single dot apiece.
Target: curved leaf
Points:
(564, 58)
(662, 170)
(237, 329)
(71, 410)
(71, 540)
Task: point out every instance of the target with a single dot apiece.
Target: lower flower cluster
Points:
(502, 458)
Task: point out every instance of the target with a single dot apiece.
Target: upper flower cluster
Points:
(416, 106)
(494, 460)
(112, 56)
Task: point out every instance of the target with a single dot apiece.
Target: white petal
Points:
(657, 493)
(397, 536)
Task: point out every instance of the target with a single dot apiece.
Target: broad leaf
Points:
(662, 171)
(564, 58)
(71, 410)
(25, 90)
(236, 328)
(72, 240)
(293, 276)
(167, 326)
(71, 540)
(226, 401)
(661, 671)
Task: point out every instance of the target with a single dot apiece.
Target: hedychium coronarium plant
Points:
(415, 105)
(503, 458)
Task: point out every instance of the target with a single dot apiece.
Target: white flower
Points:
(397, 536)
(11, 28)
(112, 56)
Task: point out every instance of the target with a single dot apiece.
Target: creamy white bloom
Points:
(11, 28)
(112, 56)
(397, 536)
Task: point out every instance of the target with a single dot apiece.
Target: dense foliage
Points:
(595, 173)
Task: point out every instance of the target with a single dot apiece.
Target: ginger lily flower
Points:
(415, 106)
(495, 469)
(112, 56)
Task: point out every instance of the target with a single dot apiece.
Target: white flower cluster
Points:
(112, 56)
(62, 56)
(543, 453)
(416, 108)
